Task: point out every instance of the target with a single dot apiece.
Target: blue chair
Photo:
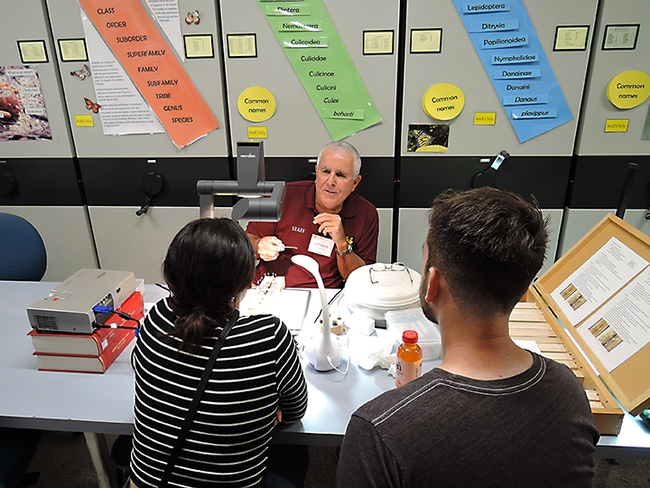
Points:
(22, 251)
(22, 258)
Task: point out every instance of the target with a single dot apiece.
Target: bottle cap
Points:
(410, 336)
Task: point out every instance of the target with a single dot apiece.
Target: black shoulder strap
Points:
(185, 428)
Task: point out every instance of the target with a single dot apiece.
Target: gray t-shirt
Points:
(534, 429)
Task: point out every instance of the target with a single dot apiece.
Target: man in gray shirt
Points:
(492, 414)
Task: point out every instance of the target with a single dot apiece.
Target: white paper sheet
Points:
(622, 327)
(122, 108)
(598, 279)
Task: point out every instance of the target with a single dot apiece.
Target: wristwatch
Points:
(346, 252)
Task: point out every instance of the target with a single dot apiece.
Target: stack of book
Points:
(89, 353)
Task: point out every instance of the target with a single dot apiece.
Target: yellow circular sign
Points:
(434, 148)
(443, 101)
(256, 104)
(629, 89)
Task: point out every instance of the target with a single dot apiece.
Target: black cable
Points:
(124, 315)
(97, 326)
(329, 303)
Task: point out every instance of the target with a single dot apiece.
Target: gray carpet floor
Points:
(63, 461)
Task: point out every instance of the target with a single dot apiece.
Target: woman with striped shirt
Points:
(256, 382)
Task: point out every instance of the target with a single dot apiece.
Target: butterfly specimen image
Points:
(193, 18)
(90, 105)
(428, 138)
(82, 73)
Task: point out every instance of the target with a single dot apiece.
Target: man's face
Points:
(427, 308)
(334, 180)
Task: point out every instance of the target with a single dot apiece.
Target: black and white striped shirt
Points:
(257, 372)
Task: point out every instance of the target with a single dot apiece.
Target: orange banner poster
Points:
(152, 65)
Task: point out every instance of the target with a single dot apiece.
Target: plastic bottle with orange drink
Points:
(409, 359)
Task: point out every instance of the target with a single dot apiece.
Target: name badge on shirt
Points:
(320, 245)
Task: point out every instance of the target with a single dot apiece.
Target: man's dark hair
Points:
(208, 263)
(488, 244)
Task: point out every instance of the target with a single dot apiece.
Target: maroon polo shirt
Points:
(360, 221)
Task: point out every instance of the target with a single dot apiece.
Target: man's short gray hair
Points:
(344, 147)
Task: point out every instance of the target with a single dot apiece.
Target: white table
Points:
(103, 403)
(95, 404)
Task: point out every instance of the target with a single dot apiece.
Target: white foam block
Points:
(360, 322)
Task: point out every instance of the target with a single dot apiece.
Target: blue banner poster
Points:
(506, 41)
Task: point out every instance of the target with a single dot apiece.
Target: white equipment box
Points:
(69, 306)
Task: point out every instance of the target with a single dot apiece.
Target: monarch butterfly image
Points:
(427, 138)
(90, 105)
(82, 73)
(423, 138)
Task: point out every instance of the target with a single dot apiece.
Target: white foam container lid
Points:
(397, 321)
(391, 290)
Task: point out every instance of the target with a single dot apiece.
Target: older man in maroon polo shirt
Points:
(323, 219)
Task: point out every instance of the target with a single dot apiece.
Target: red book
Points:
(87, 364)
(89, 344)
(75, 344)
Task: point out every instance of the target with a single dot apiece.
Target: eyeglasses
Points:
(377, 267)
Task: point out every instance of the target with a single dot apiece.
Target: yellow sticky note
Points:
(257, 132)
(84, 121)
(616, 125)
(485, 118)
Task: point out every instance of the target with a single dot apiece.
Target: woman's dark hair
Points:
(208, 263)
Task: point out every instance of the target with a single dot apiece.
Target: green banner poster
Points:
(326, 71)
